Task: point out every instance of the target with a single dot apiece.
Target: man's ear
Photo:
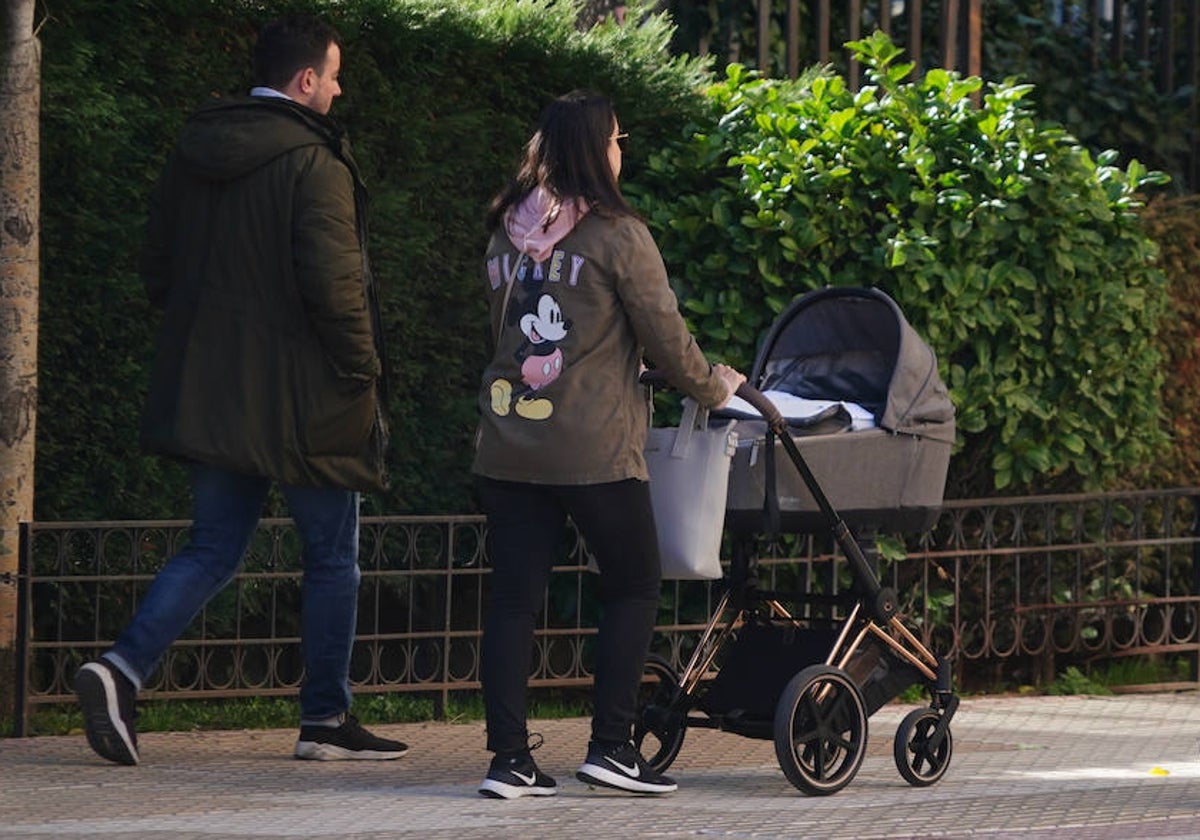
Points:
(306, 80)
(301, 85)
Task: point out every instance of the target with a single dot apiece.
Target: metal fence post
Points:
(447, 623)
(24, 630)
(1196, 587)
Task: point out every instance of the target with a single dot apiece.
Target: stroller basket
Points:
(885, 471)
(759, 665)
(766, 655)
(879, 674)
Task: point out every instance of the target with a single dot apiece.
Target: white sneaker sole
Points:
(594, 774)
(314, 751)
(503, 790)
(107, 733)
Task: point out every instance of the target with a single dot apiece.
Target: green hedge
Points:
(1174, 222)
(1016, 255)
(438, 101)
(1106, 104)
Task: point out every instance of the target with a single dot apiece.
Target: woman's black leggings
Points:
(525, 538)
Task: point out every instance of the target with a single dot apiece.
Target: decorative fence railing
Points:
(1015, 586)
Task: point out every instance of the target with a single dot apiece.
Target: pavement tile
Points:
(1087, 768)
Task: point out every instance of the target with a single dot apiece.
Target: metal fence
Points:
(779, 37)
(1008, 587)
(1162, 35)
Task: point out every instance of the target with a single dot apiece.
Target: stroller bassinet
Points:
(846, 345)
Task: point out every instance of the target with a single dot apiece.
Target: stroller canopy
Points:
(854, 345)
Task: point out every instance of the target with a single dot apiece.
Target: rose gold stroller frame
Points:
(872, 656)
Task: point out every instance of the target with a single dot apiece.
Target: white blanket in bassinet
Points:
(793, 407)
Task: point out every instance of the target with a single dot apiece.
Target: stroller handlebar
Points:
(763, 406)
(746, 391)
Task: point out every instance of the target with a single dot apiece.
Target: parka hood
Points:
(231, 138)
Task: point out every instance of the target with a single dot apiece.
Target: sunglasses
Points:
(622, 140)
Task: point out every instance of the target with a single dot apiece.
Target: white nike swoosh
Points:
(526, 779)
(631, 770)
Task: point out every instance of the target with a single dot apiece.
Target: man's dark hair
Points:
(289, 44)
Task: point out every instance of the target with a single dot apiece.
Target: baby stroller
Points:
(802, 669)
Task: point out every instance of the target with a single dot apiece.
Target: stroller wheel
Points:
(820, 730)
(919, 762)
(662, 715)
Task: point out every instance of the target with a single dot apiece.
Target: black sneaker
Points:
(621, 766)
(347, 741)
(109, 702)
(511, 776)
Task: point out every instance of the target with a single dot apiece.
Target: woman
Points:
(578, 294)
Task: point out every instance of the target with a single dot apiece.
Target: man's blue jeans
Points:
(226, 510)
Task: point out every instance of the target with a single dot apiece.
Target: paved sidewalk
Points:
(1039, 767)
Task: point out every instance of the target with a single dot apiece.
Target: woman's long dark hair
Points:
(568, 157)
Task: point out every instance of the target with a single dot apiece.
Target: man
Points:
(268, 370)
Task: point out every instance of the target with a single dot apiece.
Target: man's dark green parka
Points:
(269, 354)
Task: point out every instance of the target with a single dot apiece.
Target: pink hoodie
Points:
(525, 223)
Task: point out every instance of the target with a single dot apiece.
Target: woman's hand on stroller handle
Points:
(741, 387)
(732, 379)
(729, 377)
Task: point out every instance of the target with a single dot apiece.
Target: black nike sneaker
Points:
(621, 766)
(511, 776)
